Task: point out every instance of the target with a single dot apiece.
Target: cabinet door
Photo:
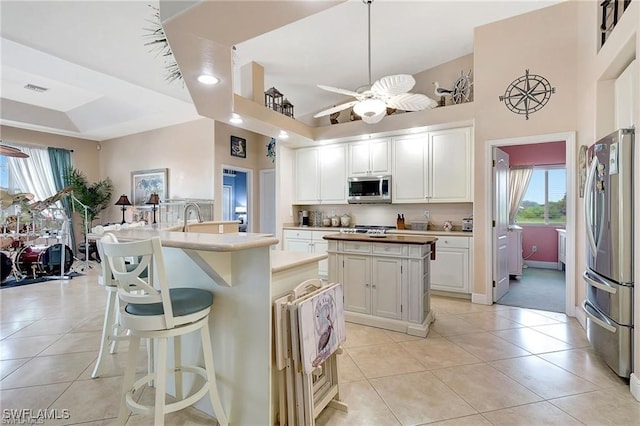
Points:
(359, 159)
(626, 104)
(300, 246)
(307, 176)
(333, 174)
(356, 279)
(450, 166)
(380, 157)
(409, 173)
(320, 246)
(450, 270)
(386, 287)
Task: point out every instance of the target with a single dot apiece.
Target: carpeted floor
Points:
(542, 289)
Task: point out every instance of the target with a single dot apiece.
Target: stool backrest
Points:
(146, 282)
(106, 277)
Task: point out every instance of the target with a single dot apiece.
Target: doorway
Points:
(236, 196)
(571, 200)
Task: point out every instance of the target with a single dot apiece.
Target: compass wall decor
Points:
(527, 94)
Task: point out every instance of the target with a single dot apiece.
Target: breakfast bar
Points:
(245, 275)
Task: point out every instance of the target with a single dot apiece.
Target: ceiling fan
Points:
(373, 100)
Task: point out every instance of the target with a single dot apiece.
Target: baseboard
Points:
(634, 385)
(580, 316)
(481, 299)
(541, 265)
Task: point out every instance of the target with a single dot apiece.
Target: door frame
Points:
(249, 172)
(572, 199)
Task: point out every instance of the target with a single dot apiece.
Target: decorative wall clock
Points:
(527, 94)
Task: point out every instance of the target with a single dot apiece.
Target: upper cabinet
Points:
(320, 175)
(371, 157)
(626, 99)
(433, 167)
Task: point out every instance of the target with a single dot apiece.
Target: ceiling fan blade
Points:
(338, 90)
(392, 85)
(411, 102)
(335, 109)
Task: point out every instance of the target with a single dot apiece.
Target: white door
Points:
(268, 201)
(227, 202)
(500, 223)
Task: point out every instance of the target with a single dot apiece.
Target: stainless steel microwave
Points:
(369, 189)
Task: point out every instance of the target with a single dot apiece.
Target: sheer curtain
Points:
(33, 174)
(518, 182)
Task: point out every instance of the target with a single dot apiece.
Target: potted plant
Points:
(96, 196)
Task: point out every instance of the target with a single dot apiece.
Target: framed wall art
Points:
(238, 147)
(146, 182)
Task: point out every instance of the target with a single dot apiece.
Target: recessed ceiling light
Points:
(283, 135)
(208, 79)
(235, 119)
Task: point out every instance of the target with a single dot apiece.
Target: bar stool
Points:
(150, 309)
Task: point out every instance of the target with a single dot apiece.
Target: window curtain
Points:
(60, 160)
(518, 182)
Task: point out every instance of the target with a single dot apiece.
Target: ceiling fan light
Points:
(375, 118)
(369, 108)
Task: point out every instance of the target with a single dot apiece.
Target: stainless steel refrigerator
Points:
(608, 204)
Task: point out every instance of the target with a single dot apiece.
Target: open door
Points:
(500, 223)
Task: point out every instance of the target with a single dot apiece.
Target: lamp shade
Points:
(369, 108)
(154, 199)
(123, 201)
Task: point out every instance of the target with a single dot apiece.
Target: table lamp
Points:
(124, 202)
(154, 200)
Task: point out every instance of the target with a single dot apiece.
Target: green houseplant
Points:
(96, 196)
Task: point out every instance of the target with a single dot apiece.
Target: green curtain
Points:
(60, 164)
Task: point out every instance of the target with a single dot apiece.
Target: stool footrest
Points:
(173, 406)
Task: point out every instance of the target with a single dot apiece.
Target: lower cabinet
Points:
(385, 285)
(450, 270)
(307, 241)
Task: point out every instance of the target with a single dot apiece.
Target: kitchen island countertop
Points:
(383, 238)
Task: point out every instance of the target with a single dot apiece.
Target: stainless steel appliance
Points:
(369, 189)
(608, 205)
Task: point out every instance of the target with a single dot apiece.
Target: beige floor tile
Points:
(74, 342)
(360, 335)
(383, 360)
(46, 327)
(585, 363)
(9, 328)
(570, 332)
(475, 420)
(114, 364)
(8, 366)
(532, 340)
(48, 369)
(489, 321)
(31, 398)
(615, 406)
(527, 317)
(420, 398)
(540, 413)
(90, 400)
(543, 377)
(485, 388)
(188, 417)
(404, 337)
(439, 353)
(451, 325)
(348, 371)
(25, 346)
(487, 346)
(557, 316)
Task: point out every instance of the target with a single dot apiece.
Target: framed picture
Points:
(582, 169)
(146, 182)
(238, 147)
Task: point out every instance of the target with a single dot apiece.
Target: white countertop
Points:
(284, 260)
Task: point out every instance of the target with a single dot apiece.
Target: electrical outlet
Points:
(534, 249)
(426, 214)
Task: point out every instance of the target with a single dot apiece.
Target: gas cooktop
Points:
(367, 229)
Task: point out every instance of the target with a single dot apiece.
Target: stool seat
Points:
(150, 309)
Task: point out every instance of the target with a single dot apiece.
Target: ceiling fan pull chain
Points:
(368, 2)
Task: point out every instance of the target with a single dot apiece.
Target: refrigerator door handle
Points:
(601, 321)
(588, 198)
(602, 286)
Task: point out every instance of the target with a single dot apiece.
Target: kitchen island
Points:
(386, 279)
(245, 275)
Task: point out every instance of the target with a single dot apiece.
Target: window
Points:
(545, 201)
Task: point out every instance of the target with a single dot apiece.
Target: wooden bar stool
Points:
(150, 309)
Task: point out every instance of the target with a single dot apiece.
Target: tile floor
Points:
(480, 365)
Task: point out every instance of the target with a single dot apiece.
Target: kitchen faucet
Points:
(188, 207)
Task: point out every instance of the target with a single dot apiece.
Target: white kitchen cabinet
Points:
(626, 100)
(386, 285)
(450, 270)
(371, 157)
(433, 167)
(307, 241)
(320, 175)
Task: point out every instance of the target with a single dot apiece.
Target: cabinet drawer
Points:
(317, 235)
(457, 242)
(294, 233)
(396, 249)
(356, 247)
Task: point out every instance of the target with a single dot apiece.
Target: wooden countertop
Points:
(430, 232)
(385, 238)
